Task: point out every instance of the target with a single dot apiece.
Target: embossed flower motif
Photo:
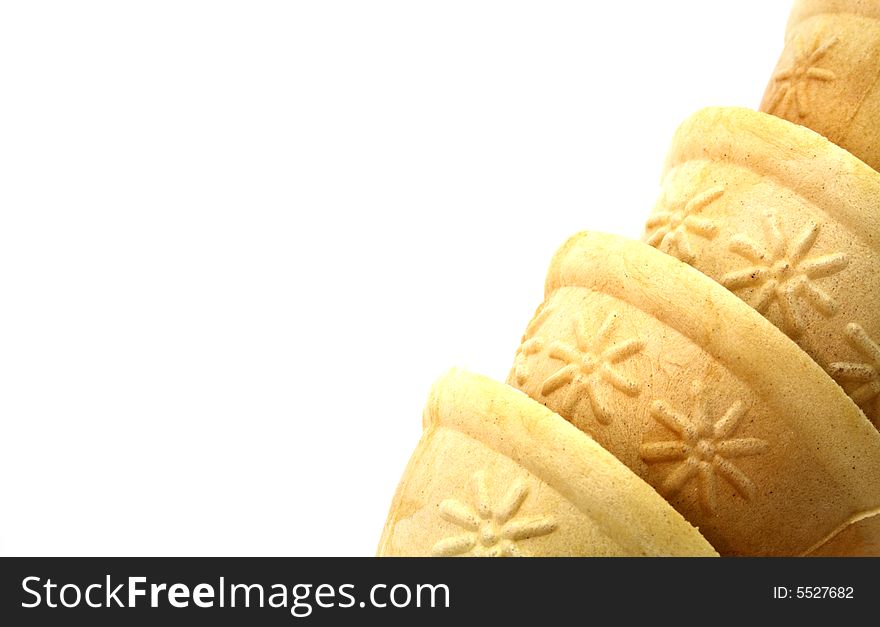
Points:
(784, 274)
(674, 222)
(530, 345)
(703, 449)
(793, 81)
(866, 374)
(528, 348)
(491, 530)
(588, 362)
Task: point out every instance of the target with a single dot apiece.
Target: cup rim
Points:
(840, 184)
(738, 337)
(511, 423)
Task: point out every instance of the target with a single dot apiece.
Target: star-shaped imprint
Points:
(589, 362)
(704, 448)
(491, 531)
(783, 274)
(673, 223)
(529, 345)
(792, 83)
(865, 374)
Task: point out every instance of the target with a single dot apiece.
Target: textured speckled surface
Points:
(788, 222)
(736, 369)
(497, 474)
(702, 397)
(827, 75)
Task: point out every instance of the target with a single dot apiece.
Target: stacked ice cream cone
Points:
(714, 389)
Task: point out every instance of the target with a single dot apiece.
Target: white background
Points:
(238, 241)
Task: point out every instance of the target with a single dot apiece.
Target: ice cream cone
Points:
(703, 398)
(497, 474)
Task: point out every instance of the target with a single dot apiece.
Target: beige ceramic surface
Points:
(497, 474)
(706, 400)
(790, 223)
(827, 76)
